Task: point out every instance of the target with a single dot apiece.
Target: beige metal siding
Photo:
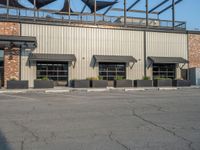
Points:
(166, 45)
(84, 43)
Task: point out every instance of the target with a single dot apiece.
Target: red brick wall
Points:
(11, 56)
(194, 50)
(11, 64)
(9, 28)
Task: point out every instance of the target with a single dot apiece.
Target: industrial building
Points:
(64, 45)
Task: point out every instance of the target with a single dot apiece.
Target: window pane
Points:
(164, 71)
(110, 70)
(57, 71)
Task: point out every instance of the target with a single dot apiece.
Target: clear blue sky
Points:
(187, 10)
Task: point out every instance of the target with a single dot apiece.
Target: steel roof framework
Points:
(96, 5)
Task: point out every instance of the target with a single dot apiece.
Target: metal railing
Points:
(42, 15)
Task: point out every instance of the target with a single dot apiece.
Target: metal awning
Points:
(117, 59)
(18, 41)
(169, 60)
(52, 57)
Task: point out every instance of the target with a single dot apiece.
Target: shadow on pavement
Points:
(4, 145)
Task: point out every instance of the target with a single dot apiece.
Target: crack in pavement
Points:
(159, 108)
(117, 141)
(26, 129)
(189, 143)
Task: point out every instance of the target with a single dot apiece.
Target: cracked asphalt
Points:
(117, 120)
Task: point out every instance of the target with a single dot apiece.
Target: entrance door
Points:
(56, 71)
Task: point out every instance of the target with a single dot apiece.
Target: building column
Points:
(11, 64)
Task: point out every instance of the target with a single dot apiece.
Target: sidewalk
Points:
(108, 89)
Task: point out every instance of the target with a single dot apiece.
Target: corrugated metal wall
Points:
(166, 45)
(84, 43)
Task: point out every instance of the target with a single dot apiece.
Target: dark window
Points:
(57, 71)
(108, 71)
(164, 71)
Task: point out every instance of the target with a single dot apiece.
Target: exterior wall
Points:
(11, 63)
(166, 45)
(9, 28)
(84, 43)
(194, 50)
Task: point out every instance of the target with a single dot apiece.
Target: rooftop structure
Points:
(102, 12)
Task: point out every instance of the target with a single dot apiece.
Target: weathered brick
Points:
(11, 56)
(194, 50)
(9, 28)
(11, 63)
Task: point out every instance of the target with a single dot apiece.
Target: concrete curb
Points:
(109, 89)
(134, 89)
(57, 91)
(98, 90)
(12, 91)
(167, 88)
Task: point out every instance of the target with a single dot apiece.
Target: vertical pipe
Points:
(69, 11)
(95, 9)
(7, 7)
(188, 56)
(145, 53)
(173, 14)
(20, 55)
(147, 13)
(125, 15)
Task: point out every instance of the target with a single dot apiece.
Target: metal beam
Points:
(147, 13)
(173, 14)
(95, 11)
(108, 9)
(178, 1)
(7, 7)
(84, 8)
(135, 10)
(69, 11)
(125, 13)
(159, 5)
(137, 1)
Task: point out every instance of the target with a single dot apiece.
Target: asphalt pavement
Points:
(107, 120)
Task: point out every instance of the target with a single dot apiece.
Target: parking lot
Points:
(115, 120)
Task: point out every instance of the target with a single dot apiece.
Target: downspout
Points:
(145, 51)
(188, 53)
(20, 56)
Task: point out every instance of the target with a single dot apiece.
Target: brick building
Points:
(62, 49)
